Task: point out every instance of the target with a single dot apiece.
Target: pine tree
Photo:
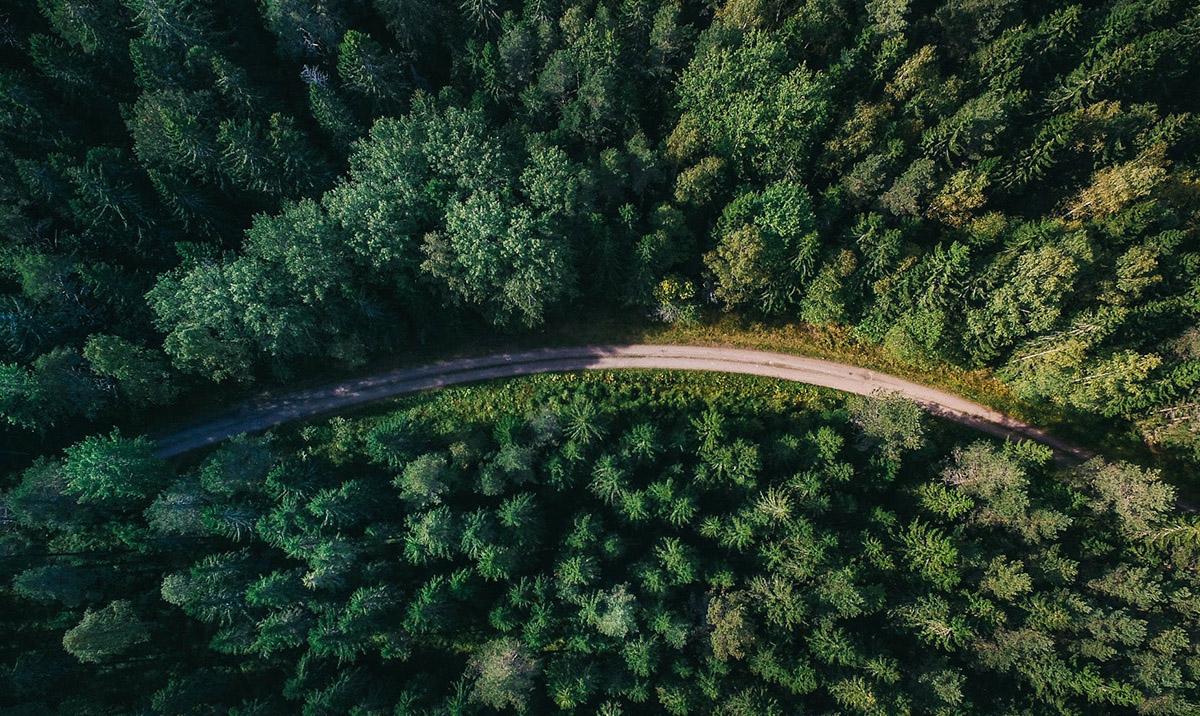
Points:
(106, 634)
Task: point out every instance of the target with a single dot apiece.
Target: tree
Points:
(1052, 363)
(307, 247)
(197, 690)
(931, 554)
(69, 585)
(700, 183)
(179, 510)
(893, 422)
(112, 469)
(429, 535)
(615, 614)
(65, 385)
(108, 195)
(1135, 495)
(93, 27)
(238, 467)
(674, 299)
(235, 86)
(1115, 187)
(1118, 63)
(768, 247)
(357, 627)
(20, 400)
(58, 387)
(745, 99)
(274, 158)
(173, 132)
(742, 265)
(384, 207)
(41, 498)
(369, 70)
(997, 481)
(305, 29)
(973, 129)
(908, 193)
(211, 590)
(143, 375)
(963, 194)
(415, 24)
(197, 310)
(105, 634)
(1006, 580)
(283, 299)
(344, 506)
(173, 23)
(500, 258)
(1028, 301)
(827, 299)
(933, 622)
(732, 632)
(331, 111)
(503, 673)
(330, 561)
(555, 186)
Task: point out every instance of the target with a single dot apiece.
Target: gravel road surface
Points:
(263, 413)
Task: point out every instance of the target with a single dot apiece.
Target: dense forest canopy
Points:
(198, 196)
(646, 544)
(204, 190)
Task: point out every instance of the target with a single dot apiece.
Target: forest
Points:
(200, 191)
(605, 544)
(207, 199)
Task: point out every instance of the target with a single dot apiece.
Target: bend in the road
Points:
(259, 415)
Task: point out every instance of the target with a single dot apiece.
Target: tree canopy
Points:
(207, 197)
(214, 191)
(654, 543)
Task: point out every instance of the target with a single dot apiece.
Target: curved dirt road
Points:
(264, 413)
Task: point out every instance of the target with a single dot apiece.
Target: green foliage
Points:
(22, 405)
(891, 421)
(595, 543)
(250, 192)
(503, 674)
(366, 68)
(675, 301)
(58, 387)
(1136, 496)
(70, 585)
(112, 469)
(275, 159)
(499, 258)
(105, 634)
(424, 480)
(732, 635)
(142, 374)
(288, 185)
(749, 103)
(767, 248)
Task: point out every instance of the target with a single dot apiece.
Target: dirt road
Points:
(264, 413)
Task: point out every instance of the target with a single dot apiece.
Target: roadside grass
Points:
(1111, 438)
(636, 387)
(447, 410)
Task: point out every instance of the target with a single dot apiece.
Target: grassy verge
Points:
(1113, 437)
(485, 402)
(448, 410)
(828, 342)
